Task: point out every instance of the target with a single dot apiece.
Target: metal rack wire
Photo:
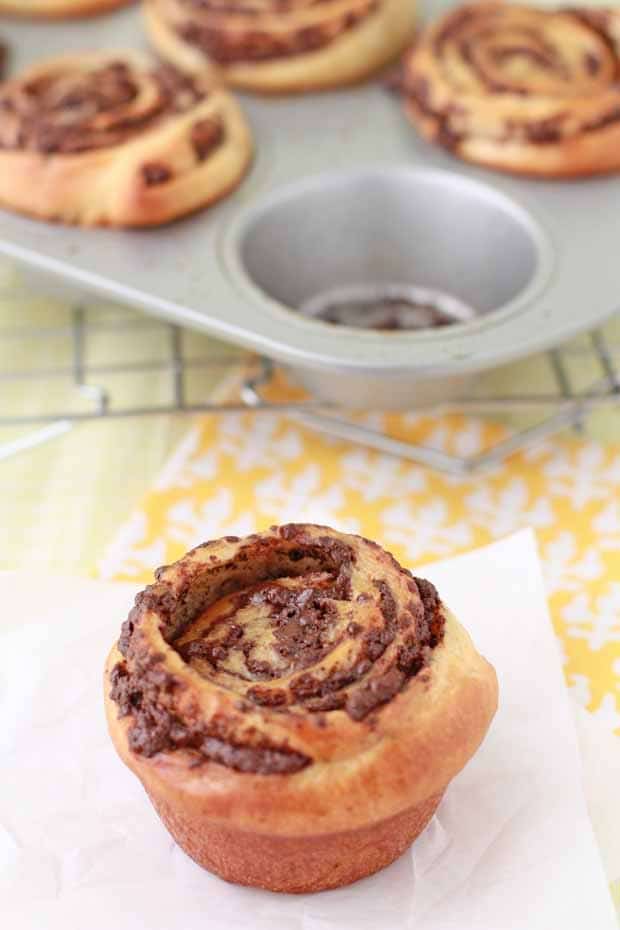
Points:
(565, 405)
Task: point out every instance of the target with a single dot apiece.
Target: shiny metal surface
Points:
(388, 227)
(537, 259)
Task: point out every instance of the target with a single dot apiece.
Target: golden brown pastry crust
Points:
(223, 711)
(274, 47)
(117, 140)
(520, 89)
(59, 9)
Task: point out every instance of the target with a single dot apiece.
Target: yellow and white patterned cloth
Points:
(236, 473)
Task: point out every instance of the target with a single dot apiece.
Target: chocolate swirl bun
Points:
(115, 139)
(520, 89)
(53, 9)
(295, 704)
(281, 45)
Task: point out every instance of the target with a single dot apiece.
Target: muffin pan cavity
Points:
(346, 206)
(430, 239)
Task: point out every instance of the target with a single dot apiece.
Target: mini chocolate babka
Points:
(295, 704)
(520, 89)
(117, 139)
(280, 46)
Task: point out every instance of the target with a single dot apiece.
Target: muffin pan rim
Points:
(177, 272)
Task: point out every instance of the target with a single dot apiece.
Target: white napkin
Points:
(600, 755)
(80, 846)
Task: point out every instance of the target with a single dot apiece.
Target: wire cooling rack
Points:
(57, 372)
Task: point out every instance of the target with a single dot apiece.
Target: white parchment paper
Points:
(80, 847)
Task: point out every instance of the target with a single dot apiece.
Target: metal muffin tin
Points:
(344, 193)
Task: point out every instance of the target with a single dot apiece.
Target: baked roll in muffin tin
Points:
(344, 192)
(520, 89)
(274, 46)
(117, 139)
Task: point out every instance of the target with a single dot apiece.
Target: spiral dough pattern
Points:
(520, 89)
(297, 621)
(295, 704)
(281, 45)
(116, 139)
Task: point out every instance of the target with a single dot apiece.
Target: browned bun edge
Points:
(61, 9)
(295, 864)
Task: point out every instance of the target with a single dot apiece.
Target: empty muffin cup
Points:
(386, 260)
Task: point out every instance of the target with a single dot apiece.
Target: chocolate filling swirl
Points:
(72, 109)
(243, 32)
(283, 623)
(516, 75)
